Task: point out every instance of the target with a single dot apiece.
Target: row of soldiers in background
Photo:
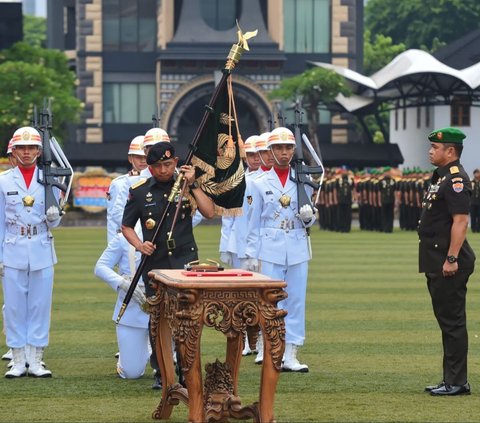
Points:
(377, 194)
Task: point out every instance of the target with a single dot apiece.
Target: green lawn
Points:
(372, 341)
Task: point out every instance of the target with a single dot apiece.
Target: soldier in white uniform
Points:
(118, 190)
(132, 331)
(27, 256)
(11, 159)
(277, 236)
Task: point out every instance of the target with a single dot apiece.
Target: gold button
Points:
(436, 245)
(169, 253)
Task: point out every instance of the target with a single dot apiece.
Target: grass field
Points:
(372, 341)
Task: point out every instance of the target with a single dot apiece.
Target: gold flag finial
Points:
(241, 46)
(242, 38)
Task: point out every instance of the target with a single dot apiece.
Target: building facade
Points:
(135, 58)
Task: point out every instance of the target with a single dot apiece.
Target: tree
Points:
(317, 86)
(426, 24)
(27, 76)
(379, 53)
(35, 31)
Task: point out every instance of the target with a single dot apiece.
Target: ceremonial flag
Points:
(219, 152)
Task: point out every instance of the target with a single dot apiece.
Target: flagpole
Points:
(232, 59)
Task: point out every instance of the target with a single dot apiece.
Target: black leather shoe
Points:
(430, 388)
(451, 390)
(157, 384)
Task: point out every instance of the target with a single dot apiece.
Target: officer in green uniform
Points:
(147, 201)
(386, 198)
(344, 192)
(445, 256)
(475, 205)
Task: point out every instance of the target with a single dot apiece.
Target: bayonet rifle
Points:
(56, 170)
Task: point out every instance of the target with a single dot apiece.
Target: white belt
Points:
(29, 230)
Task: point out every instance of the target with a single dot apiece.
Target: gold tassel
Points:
(230, 148)
(241, 147)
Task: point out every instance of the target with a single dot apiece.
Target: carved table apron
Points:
(230, 304)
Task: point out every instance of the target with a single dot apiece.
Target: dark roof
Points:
(461, 53)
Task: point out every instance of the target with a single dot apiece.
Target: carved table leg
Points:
(193, 380)
(234, 357)
(272, 325)
(163, 348)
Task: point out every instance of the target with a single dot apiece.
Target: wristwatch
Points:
(194, 185)
(451, 259)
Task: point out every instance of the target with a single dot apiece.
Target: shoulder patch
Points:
(139, 183)
(454, 169)
(457, 186)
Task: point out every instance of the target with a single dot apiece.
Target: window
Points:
(460, 111)
(306, 26)
(129, 25)
(220, 14)
(128, 102)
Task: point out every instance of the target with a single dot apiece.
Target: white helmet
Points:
(155, 135)
(136, 146)
(26, 135)
(261, 143)
(9, 148)
(281, 135)
(250, 143)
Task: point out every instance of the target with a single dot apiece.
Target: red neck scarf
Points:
(264, 168)
(27, 174)
(282, 174)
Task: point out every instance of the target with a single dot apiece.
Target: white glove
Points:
(138, 295)
(306, 213)
(226, 257)
(53, 214)
(251, 264)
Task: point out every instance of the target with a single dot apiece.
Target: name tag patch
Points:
(12, 193)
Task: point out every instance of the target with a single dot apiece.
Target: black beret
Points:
(159, 152)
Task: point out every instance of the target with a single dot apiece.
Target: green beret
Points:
(447, 135)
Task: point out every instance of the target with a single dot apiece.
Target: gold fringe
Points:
(207, 168)
(221, 211)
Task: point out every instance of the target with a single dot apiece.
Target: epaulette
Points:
(5, 171)
(454, 169)
(139, 183)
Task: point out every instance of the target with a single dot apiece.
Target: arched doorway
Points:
(187, 111)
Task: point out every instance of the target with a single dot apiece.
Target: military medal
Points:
(28, 201)
(150, 224)
(284, 200)
(149, 197)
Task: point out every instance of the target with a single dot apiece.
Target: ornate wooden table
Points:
(187, 301)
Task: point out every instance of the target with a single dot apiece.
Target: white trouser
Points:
(28, 301)
(296, 278)
(237, 263)
(133, 346)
